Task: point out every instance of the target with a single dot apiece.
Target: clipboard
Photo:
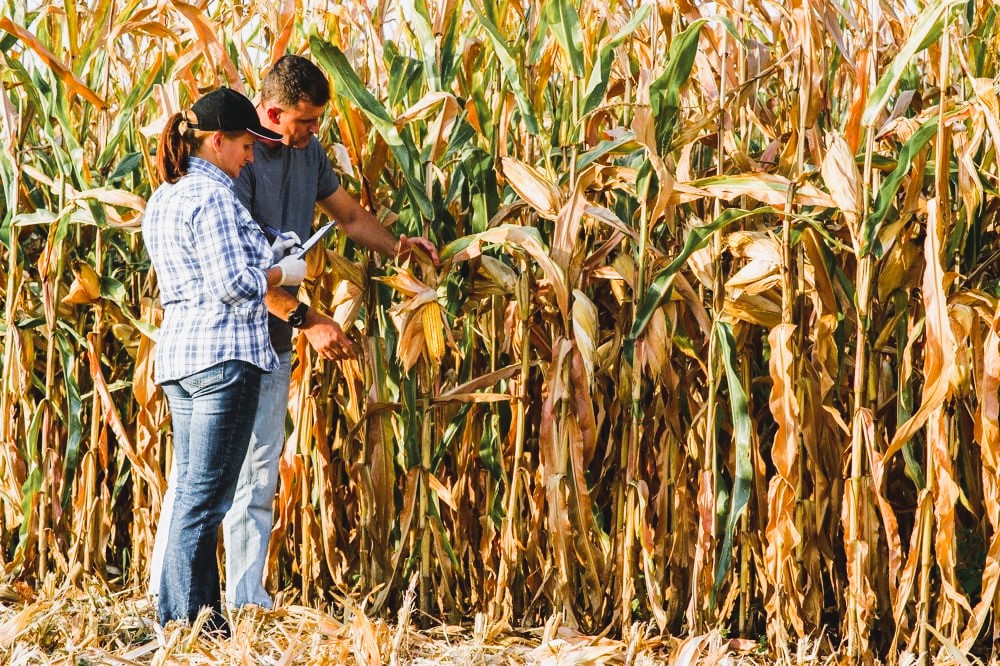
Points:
(300, 251)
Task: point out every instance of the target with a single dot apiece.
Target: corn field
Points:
(715, 343)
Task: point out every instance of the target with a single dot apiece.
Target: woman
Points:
(214, 266)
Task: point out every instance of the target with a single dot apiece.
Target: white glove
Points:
(281, 245)
(293, 271)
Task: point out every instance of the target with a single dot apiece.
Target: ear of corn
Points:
(430, 317)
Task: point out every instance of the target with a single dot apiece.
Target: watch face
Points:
(298, 316)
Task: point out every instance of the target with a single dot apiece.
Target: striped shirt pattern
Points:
(210, 259)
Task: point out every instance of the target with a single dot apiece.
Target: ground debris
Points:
(93, 625)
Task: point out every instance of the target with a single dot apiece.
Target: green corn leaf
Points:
(349, 85)
(887, 192)
(659, 289)
(96, 39)
(980, 44)
(740, 413)
(489, 448)
(927, 30)
(33, 86)
(404, 75)
(8, 181)
(412, 416)
(454, 430)
(510, 69)
(449, 50)
(434, 514)
(564, 22)
(70, 153)
(499, 425)
(114, 291)
(29, 489)
(125, 117)
(33, 481)
(537, 41)
(484, 112)
(600, 150)
(665, 92)
(420, 22)
(597, 85)
(477, 175)
(124, 476)
(127, 165)
(74, 425)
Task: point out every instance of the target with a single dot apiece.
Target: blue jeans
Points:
(211, 415)
(248, 523)
(247, 527)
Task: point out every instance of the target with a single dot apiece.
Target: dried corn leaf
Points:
(532, 186)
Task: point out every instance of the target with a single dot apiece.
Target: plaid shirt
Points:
(210, 258)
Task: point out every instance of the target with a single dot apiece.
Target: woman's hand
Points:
(291, 271)
(282, 244)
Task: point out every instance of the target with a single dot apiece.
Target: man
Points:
(281, 188)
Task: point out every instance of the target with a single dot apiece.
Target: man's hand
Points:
(406, 245)
(326, 337)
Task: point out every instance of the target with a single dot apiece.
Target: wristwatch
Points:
(297, 317)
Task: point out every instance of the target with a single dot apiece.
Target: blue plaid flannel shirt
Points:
(210, 259)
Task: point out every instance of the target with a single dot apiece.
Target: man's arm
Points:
(362, 227)
(323, 333)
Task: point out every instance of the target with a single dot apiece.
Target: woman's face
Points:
(233, 152)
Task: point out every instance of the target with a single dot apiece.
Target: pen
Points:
(274, 232)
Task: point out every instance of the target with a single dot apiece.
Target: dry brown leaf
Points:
(586, 330)
(532, 186)
(208, 36)
(86, 287)
(71, 80)
(770, 189)
(841, 176)
(940, 343)
(782, 534)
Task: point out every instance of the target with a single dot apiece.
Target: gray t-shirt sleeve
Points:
(327, 180)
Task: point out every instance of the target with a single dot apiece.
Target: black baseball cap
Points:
(225, 110)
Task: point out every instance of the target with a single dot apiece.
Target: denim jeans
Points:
(211, 415)
(247, 527)
(248, 523)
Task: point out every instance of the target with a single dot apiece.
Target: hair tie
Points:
(189, 121)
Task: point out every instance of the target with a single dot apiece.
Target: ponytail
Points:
(177, 142)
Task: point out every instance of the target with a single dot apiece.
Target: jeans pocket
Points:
(204, 378)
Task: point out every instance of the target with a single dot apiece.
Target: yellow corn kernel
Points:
(431, 319)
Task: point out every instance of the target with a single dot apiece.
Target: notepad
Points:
(300, 251)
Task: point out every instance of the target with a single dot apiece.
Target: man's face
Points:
(296, 124)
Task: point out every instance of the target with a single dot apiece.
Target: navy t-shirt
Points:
(280, 188)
